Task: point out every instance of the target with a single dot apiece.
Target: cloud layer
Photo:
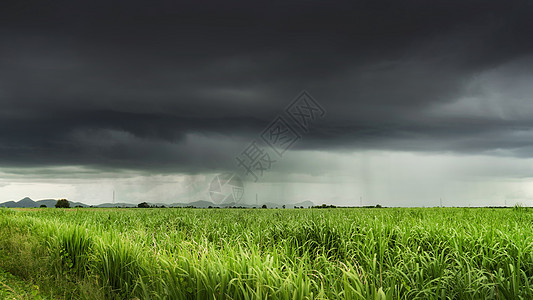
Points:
(184, 87)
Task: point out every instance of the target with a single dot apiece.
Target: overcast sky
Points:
(422, 100)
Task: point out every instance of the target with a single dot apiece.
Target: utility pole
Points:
(441, 202)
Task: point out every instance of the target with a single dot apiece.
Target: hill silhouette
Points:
(29, 203)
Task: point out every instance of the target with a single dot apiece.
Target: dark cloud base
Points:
(123, 84)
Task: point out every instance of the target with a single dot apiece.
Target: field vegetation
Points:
(332, 253)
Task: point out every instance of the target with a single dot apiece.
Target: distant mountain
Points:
(29, 203)
(52, 203)
(9, 204)
(25, 202)
(48, 202)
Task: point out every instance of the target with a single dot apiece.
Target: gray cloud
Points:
(185, 86)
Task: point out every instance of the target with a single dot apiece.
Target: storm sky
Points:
(424, 99)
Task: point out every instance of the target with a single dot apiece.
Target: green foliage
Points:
(143, 205)
(324, 206)
(12, 287)
(62, 203)
(387, 253)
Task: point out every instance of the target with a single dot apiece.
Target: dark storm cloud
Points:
(148, 85)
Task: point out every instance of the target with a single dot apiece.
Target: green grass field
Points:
(349, 253)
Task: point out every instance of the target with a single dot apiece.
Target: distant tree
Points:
(78, 206)
(283, 206)
(43, 206)
(264, 206)
(143, 205)
(324, 206)
(378, 206)
(62, 203)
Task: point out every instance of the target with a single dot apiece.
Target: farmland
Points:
(347, 253)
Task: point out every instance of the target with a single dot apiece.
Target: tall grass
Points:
(431, 253)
